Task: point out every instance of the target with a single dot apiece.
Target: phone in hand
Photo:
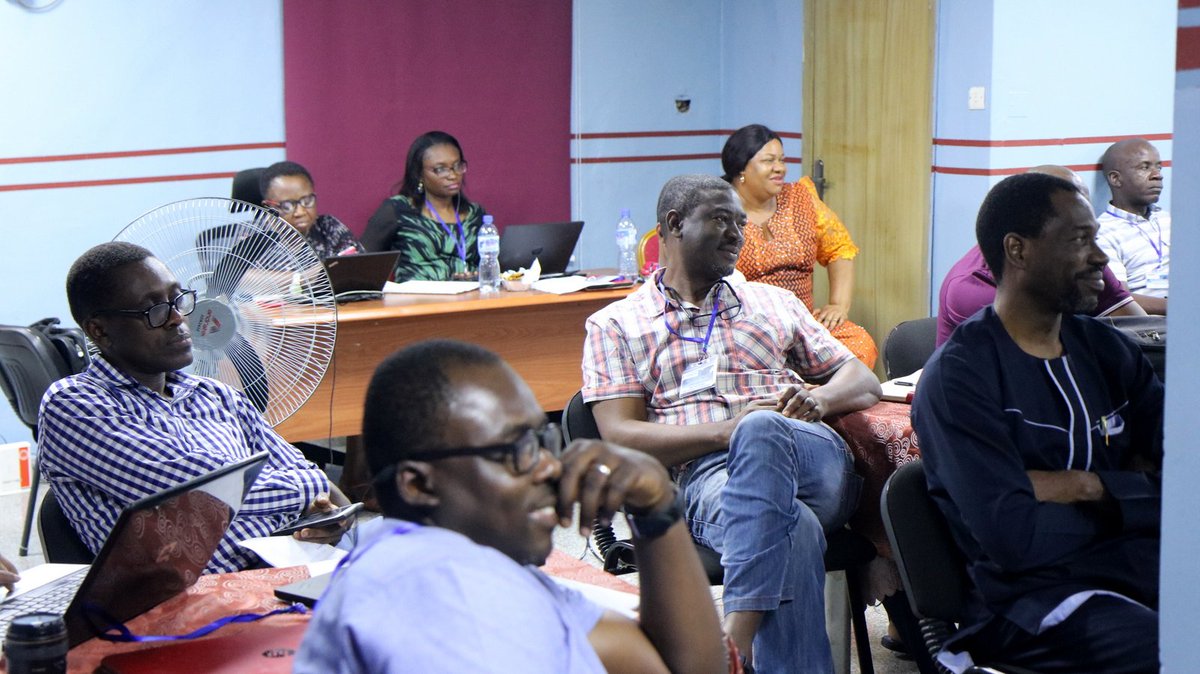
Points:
(321, 519)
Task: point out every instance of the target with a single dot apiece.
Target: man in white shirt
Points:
(1134, 232)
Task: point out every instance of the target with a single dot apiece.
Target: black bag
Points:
(69, 343)
(1149, 333)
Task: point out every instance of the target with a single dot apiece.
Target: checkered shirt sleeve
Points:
(105, 441)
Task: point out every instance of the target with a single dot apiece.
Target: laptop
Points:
(306, 591)
(550, 242)
(157, 549)
(360, 276)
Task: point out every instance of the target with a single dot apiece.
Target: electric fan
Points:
(265, 318)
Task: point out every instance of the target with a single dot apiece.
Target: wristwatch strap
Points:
(653, 525)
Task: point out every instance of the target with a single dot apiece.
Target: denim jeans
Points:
(765, 505)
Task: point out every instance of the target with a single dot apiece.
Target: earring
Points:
(742, 178)
(420, 186)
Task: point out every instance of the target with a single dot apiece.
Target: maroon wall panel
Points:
(363, 78)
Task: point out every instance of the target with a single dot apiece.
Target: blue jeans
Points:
(765, 505)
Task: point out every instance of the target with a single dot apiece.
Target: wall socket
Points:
(975, 98)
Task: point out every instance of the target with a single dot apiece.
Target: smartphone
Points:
(322, 519)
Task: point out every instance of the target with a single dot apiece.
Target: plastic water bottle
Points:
(489, 258)
(627, 239)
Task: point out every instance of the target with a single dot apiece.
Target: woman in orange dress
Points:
(789, 231)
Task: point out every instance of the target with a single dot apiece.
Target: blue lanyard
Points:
(117, 631)
(712, 320)
(460, 242)
(1157, 249)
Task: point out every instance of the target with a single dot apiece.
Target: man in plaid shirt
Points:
(132, 424)
(714, 376)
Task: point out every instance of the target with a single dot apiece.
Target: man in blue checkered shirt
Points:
(132, 424)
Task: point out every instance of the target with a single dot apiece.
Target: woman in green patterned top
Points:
(431, 222)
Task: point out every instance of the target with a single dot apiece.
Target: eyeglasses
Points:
(158, 314)
(521, 456)
(290, 205)
(459, 167)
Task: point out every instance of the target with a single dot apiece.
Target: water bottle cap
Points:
(487, 219)
(624, 212)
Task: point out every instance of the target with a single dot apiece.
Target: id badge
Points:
(698, 377)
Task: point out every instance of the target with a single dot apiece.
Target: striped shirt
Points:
(769, 341)
(1138, 249)
(105, 441)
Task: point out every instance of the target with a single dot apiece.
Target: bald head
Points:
(1064, 173)
(1133, 169)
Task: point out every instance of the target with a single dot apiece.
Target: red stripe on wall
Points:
(1038, 142)
(962, 171)
(671, 134)
(115, 181)
(1187, 48)
(141, 153)
(1184, 4)
(659, 157)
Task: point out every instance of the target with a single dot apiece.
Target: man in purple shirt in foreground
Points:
(969, 285)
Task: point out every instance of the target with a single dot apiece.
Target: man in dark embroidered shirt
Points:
(1041, 433)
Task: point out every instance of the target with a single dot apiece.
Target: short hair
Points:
(682, 194)
(742, 146)
(91, 281)
(1020, 204)
(282, 168)
(406, 405)
(415, 164)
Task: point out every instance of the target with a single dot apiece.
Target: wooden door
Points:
(868, 100)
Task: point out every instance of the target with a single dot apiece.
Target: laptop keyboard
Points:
(54, 597)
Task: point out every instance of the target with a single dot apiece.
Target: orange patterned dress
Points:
(804, 232)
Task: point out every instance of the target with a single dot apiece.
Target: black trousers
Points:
(1105, 634)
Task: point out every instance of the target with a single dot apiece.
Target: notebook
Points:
(260, 648)
(360, 276)
(550, 242)
(158, 548)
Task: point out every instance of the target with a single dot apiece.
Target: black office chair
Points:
(844, 549)
(60, 543)
(29, 364)
(245, 186)
(932, 568)
(908, 346)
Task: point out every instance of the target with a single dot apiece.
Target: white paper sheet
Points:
(287, 551)
(622, 602)
(430, 287)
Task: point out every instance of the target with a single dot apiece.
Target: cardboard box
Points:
(15, 468)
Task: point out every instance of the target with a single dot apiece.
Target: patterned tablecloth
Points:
(217, 596)
(881, 439)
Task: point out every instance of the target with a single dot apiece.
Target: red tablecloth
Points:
(881, 439)
(216, 596)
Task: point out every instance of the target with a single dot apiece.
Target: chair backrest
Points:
(908, 346)
(932, 569)
(60, 543)
(577, 420)
(648, 252)
(245, 186)
(29, 364)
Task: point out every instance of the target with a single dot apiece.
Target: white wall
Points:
(130, 76)
(738, 62)
(1051, 70)
(1181, 499)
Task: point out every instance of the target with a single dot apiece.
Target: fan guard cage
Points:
(266, 319)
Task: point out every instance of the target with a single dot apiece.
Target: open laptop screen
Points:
(159, 547)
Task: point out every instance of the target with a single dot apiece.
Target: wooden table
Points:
(538, 334)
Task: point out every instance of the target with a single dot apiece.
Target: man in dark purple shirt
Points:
(969, 285)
